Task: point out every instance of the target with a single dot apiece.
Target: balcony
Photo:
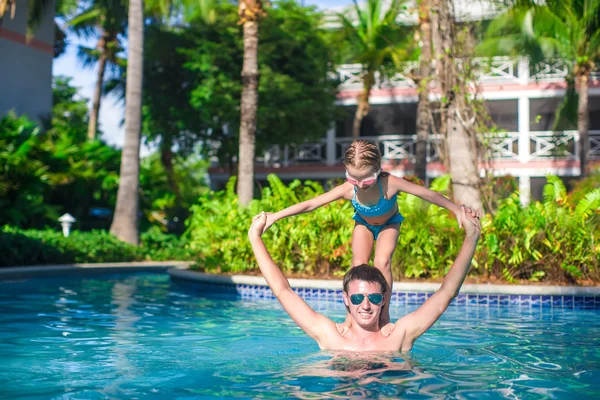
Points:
(505, 70)
(504, 147)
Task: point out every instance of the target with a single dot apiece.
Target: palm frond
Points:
(554, 190)
(589, 205)
(87, 56)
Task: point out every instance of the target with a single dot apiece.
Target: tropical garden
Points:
(219, 82)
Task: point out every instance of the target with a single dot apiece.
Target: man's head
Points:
(364, 294)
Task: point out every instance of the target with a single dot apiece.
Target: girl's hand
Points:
(270, 221)
(461, 217)
(258, 224)
(471, 223)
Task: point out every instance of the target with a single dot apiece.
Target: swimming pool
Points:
(141, 336)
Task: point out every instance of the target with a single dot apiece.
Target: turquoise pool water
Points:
(141, 336)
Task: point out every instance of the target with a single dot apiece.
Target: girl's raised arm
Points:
(339, 192)
(402, 185)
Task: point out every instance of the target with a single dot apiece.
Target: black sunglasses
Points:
(375, 298)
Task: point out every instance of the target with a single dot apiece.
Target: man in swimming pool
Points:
(364, 296)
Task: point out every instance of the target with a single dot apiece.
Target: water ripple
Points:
(138, 335)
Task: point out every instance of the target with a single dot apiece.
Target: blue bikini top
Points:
(383, 205)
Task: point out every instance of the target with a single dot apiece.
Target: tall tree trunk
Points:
(249, 12)
(424, 107)
(583, 122)
(440, 59)
(125, 221)
(93, 122)
(462, 160)
(362, 109)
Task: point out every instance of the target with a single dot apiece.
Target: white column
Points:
(524, 189)
(330, 160)
(523, 121)
(523, 68)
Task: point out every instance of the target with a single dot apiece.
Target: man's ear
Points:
(345, 296)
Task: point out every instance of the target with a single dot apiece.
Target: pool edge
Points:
(421, 287)
(37, 271)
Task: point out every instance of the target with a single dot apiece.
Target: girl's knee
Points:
(383, 263)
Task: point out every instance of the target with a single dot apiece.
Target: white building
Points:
(26, 63)
(522, 101)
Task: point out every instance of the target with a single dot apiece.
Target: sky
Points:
(111, 111)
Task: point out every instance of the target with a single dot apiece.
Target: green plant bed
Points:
(551, 241)
(35, 247)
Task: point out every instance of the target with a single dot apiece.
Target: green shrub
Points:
(553, 239)
(158, 246)
(218, 228)
(35, 247)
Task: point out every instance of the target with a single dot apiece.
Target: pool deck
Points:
(178, 270)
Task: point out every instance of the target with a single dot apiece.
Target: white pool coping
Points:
(179, 270)
(35, 271)
(336, 284)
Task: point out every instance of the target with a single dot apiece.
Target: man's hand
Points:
(258, 225)
(471, 222)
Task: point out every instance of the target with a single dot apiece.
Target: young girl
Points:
(373, 194)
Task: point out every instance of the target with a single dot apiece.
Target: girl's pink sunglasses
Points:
(368, 181)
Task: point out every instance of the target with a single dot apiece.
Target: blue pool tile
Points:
(411, 298)
(515, 300)
(557, 301)
(401, 298)
(568, 301)
(546, 301)
(525, 300)
(472, 299)
(588, 302)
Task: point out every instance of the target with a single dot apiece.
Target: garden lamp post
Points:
(66, 221)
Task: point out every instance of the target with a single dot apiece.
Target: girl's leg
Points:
(386, 244)
(362, 246)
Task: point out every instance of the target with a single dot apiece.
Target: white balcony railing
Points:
(504, 147)
(488, 71)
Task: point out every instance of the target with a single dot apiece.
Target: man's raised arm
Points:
(311, 322)
(425, 316)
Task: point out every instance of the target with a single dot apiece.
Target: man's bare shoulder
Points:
(401, 333)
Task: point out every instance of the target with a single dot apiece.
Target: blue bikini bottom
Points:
(376, 229)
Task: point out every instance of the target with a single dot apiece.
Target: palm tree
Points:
(125, 220)
(564, 29)
(108, 18)
(250, 13)
(376, 40)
